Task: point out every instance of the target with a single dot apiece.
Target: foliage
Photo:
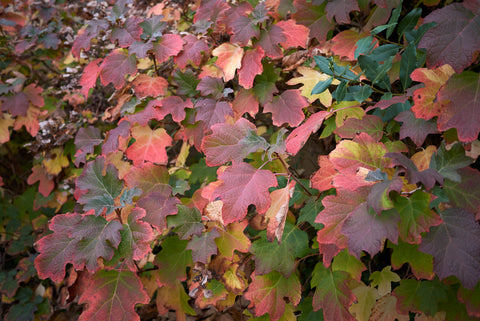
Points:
(265, 159)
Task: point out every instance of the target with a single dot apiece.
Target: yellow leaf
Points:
(229, 59)
(54, 164)
(422, 158)
(347, 109)
(5, 122)
(366, 299)
(310, 78)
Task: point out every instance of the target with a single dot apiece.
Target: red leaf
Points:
(211, 86)
(340, 9)
(462, 105)
(112, 295)
(231, 142)
(267, 292)
(116, 66)
(149, 178)
(203, 246)
(172, 105)
(85, 140)
(229, 59)
(332, 294)
(149, 86)
(130, 32)
(269, 40)
(415, 128)
(296, 35)
(314, 17)
(30, 121)
(287, 108)
(40, 175)
(212, 112)
(83, 40)
(243, 31)
(158, 205)
(251, 66)
(210, 10)
(57, 249)
(169, 45)
(112, 141)
(455, 39)
(245, 102)
(149, 145)
(299, 135)
(17, 104)
(454, 245)
(426, 105)
(244, 185)
(89, 76)
(192, 51)
(323, 178)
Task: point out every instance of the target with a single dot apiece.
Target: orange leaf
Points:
(229, 59)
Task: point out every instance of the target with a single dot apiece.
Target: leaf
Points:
(136, 238)
(89, 76)
(153, 26)
(340, 9)
(244, 185)
(287, 108)
(101, 190)
(454, 40)
(466, 193)
(296, 35)
(187, 222)
(264, 86)
(174, 106)
(149, 145)
(158, 205)
(462, 107)
(454, 245)
(192, 51)
(149, 178)
(172, 261)
(54, 164)
(168, 45)
(130, 32)
(383, 280)
(211, 86)
(173, 298)
(471, 298)
(370, 124)
(40, 175)
(310, 78)
(415, 128)
(116, 66)
(112, 143)
(332, 293)
(251, 65)
(273, 256)
(299, 135)
(266, 293)
(269, 40)
(231, 142)
(448, 162)
(314, 17)
(229, 59)
(6, 121)
(345, 43)
(348, 263)
(415, 216)
(112, 295)
(385, 310)
(362, 151)
(278, 210)
(245, 102)
(212, 112)
(233, 239)
(421, 263)
(323, 178)
(85, 140)
(203, 246)
(57, 249)
(420, 296)
(367, 232)
(426, 105)
(149, 86)
(366, 298)
(243, 30)
(407, 64)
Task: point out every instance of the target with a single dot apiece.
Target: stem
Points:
(119, 215)
(285, 165)
(154, 64)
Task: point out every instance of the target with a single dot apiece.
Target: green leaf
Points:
(358, 93)
(307, 313)
(187, 83)
(309, 213)
(421, 263)
(384, 52)
(329, 67)
(264, 86)
(407, 65)
(187, 222)
(409, 21)
(172, 261)
(384, 280)
(341, 91)
(348, 263)
(364, 46)
(421, 296)
(447, 162)
(271, 256)
(394, 19)
(415, 35)
(321, 86)
(375, 72)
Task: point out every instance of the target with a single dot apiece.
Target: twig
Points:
(293, 176)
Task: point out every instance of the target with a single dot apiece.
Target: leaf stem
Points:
(285, 165)
(119, 215)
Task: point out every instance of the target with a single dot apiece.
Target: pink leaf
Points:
(287, 108)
